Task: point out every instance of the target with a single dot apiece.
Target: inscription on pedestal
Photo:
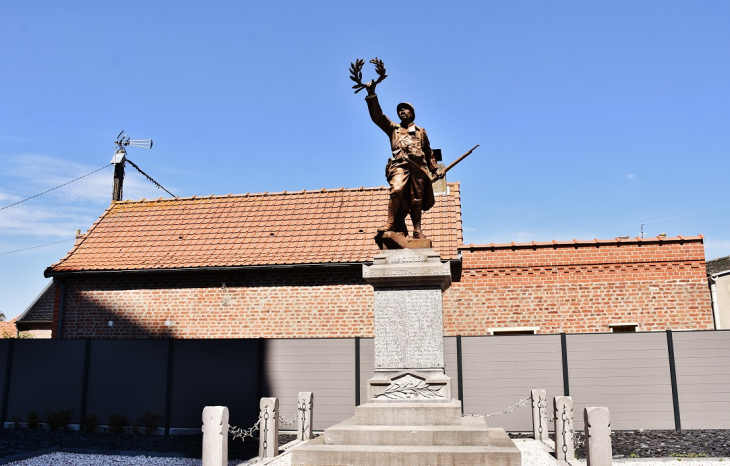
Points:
(408, 329)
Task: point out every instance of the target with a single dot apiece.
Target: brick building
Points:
(290, 265)
(718, 277)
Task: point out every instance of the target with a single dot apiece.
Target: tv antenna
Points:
(120, 158)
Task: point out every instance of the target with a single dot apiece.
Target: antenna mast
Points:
(120, 154)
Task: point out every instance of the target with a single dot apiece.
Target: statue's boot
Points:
(393, 206)
(416, 219)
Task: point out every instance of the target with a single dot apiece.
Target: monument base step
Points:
(316, 452)
(472, 432)
(409, 414)
(469, 443)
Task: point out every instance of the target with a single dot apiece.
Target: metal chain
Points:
(285, 422)
(522, 402)
(238, 432)
(303, 408)
(540, 406)
(565, 430)
(265, 441)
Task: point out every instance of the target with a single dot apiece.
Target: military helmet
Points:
(408, 106)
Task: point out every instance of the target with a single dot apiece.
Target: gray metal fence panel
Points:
(4, 349)
(367, 366)
(451, 364)
(323, 366)
(212, 373)
(127, 377)
(703, 378)
(46, 376)
(499, 371)
(626, 372)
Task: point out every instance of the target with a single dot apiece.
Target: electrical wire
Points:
(36, 247)
(59, 186)
(149, 177)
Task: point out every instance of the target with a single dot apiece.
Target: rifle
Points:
(438, 177)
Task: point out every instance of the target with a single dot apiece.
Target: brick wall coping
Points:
(583, 243)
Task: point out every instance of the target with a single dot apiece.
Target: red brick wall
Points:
(282, 304)
(580, 288)
(577, 288)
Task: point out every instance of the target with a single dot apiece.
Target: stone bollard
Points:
(215, 436)
(304, 415)
(563, 408)
(539, 415)
(269, 427)
(598, 437)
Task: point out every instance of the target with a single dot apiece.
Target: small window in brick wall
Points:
(514, 330)
(623, 328)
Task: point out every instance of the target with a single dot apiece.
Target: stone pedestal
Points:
(410, 416)
(408, 313)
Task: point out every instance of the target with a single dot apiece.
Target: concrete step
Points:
(473, 431)
(316, 452)
(409, 414)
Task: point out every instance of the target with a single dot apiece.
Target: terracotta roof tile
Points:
(288, 228)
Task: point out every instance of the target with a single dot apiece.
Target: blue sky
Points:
(593, 117)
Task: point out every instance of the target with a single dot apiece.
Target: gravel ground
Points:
(186, 450)
(14, 442)
(662, 443)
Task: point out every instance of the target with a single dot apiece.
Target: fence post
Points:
(269, 428)
(6, 383)
(598, 437)
(85, 381)
(564, 354)
(563, 409)
(215, 436)
(539, 414)
(357, 371)
(304, 415)
(460, 371)
(673, 378)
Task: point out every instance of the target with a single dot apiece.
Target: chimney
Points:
(79, 237)
(118, 161)
(439, 187)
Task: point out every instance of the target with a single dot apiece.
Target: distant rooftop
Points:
(41, 309)
(721, 264)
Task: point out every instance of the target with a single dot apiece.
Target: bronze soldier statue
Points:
(412, 166)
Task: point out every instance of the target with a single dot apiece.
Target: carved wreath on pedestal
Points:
(410, 387)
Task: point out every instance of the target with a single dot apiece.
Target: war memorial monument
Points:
(410, 417)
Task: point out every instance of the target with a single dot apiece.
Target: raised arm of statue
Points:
(376, 114)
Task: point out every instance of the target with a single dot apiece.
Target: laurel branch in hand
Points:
(356, 73)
